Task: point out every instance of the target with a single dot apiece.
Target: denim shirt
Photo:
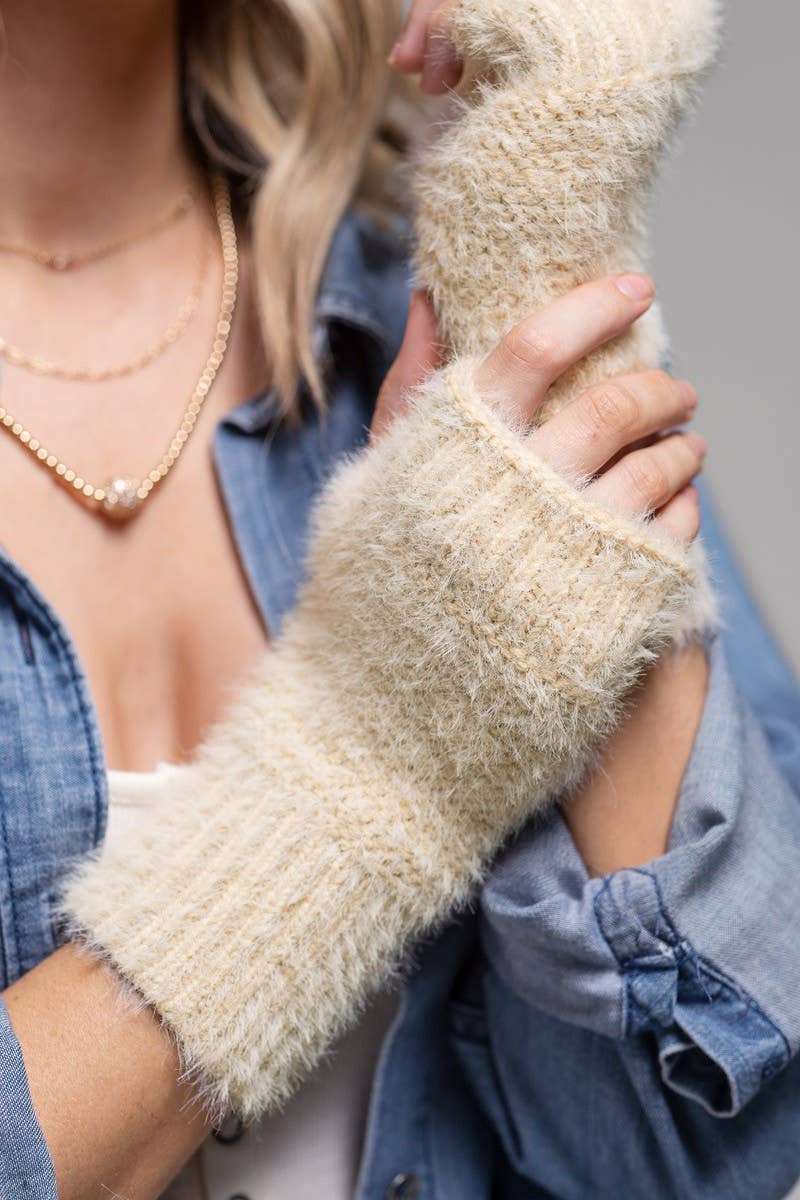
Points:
(569, 1037)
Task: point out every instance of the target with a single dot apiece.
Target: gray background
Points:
(727, 269)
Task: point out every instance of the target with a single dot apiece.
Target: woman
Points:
(673, 1018)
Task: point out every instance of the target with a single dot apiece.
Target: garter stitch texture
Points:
(543, 180)
(469, 631)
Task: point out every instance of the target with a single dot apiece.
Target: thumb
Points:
(420, 353)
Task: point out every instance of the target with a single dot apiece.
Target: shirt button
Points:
(403, 1187)
(230, 1131)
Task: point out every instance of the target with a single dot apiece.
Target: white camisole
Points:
(313, 1147)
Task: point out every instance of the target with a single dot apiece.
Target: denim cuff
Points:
(715, 1044)
(697, 950)
(26, 1169)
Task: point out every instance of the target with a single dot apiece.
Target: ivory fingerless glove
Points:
(472, 623)
(470, 628)
(543, 179)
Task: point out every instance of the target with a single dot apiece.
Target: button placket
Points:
(229, 1132)
(404, 1186)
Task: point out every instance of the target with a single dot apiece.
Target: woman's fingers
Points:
(606, 424)
(646, 480)
(442, 67)
(419, 354)
(409, 49)
(541, 348)
(681, 517)
(425, 47)
(591, 430)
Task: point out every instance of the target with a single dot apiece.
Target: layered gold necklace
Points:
(16, 356)
(68, 260)
(123, 495)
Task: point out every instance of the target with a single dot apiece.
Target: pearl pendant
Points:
(121, 500)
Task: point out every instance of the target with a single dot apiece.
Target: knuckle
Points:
(663, 389)
(612, 408)
(531, 347)
(646, 480)
(662, 381)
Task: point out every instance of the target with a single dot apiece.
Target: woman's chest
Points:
(159, 610)
(113, 651)
(140, 631)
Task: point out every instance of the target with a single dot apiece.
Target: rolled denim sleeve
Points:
(26, 1169)
(698, 948)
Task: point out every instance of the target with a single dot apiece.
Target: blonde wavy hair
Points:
(294, 101)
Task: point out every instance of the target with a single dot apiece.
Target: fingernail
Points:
(697, 442)
(689, 394)
(399, 44)
(635, 287)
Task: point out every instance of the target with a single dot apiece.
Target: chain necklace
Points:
(69, 261)
(123, 496)
(15, 356)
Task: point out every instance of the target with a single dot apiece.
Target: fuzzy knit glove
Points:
(542, 182)
(468, 633)
(471, 626)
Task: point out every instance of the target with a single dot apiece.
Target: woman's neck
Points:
(90, 130)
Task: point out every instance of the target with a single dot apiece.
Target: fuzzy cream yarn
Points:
(469, 631)
(543, 180)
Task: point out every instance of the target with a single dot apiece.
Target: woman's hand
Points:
(424, 47)
(622, 814)
(612, 433)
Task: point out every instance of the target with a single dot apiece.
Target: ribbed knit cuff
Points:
(469, 630)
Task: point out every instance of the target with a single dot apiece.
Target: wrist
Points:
(621, 815)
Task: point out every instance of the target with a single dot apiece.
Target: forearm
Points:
(104, 1079)
(414, 666)
(580, 105)
(698, 949)
(417, 708)
(104, 1075)
(420, 704)
(622, 815)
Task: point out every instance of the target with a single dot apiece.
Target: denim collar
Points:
(355, 292)
(271, 471)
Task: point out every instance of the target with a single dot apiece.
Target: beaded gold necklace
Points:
(123, 496)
